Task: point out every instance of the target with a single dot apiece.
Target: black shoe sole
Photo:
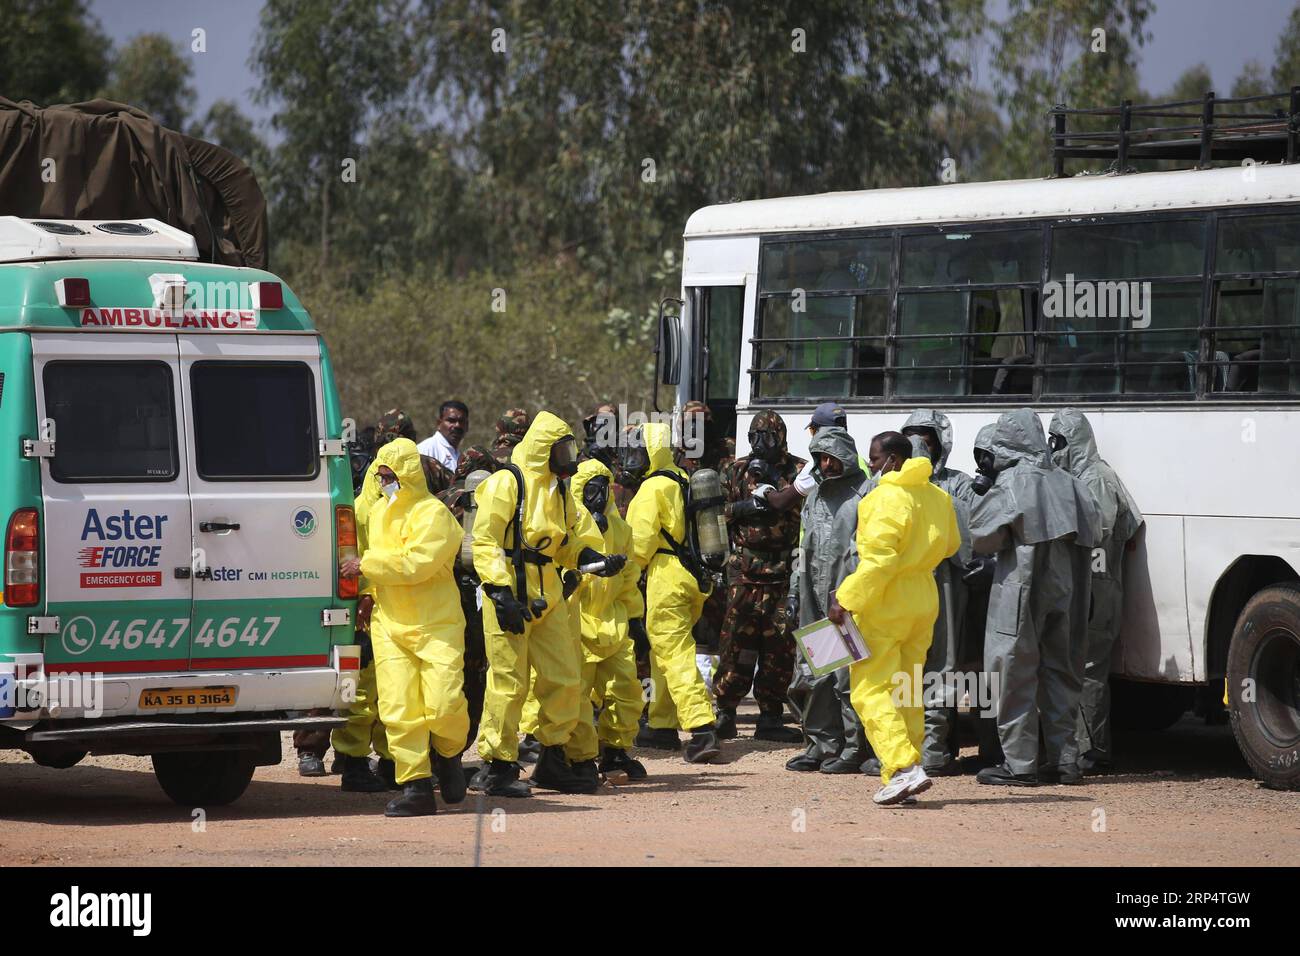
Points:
(512, 791)
(778, 737)
(1003, 782)
(814, 768)
(847, 768)
(419, 811)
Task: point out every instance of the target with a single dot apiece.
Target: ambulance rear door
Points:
(262, 517)
(117, 545)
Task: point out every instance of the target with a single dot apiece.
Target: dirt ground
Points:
(1182, 797)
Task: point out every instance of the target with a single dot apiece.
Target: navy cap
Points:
(827, 414)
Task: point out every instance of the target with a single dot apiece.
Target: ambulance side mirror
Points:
(668, 351)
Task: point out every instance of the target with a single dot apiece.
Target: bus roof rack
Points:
(1262, 128)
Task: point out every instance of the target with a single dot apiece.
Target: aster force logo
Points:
(127, 552)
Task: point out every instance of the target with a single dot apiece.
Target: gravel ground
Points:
(1182, 797)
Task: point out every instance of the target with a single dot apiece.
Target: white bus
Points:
(891, 299)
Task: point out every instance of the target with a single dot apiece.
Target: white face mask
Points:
(389, 488)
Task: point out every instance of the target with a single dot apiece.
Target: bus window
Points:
(1254, 244)
(1129, 250)
(872, 328)
(1161, 357)
(827, 265)
(1000, 351)
(1255, 336)
(963, 258)
(921, 353)
(806, 368)
(723, 308)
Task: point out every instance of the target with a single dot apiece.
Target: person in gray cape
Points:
(931, 435)
(1075, 449)
(1042, 524)
(835, 741)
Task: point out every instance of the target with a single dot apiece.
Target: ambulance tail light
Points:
(23, 559)
(345, 533)
(73, 292)
(268, 295)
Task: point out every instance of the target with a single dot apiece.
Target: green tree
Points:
(1252, 81)
(327, 68)
(1286, 56)
(596, 127)
(151, 74)
(1080, 53)
(1192, 84)
(51, 51)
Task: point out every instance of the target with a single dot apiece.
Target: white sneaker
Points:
(903, 784)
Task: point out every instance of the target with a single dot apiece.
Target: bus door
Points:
(115, 497)
(716, 322)
(263, 519)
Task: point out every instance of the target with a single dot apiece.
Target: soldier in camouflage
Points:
(511, 428)
(757, 645)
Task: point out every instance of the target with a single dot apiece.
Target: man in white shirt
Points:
(444, 444)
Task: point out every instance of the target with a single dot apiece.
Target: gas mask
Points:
(1056, 442)
(595, 498)
(602, 439)
(765, 444)
(985, 474)
(633, 463)
(564, 457)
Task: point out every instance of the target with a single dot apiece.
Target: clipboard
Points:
(827, 647)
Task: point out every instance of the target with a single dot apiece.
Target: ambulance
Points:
(177, 501)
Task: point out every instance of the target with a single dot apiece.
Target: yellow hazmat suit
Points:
(906, 526)
(673, 597)
(364, 731)
(417, 627)
(548, 645)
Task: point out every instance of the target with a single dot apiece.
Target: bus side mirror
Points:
(668, 350)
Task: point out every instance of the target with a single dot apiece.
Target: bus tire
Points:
(204, 778)
(1264, 685)
(1141, 706)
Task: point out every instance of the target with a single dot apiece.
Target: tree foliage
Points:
(51, 51)
(150, 73)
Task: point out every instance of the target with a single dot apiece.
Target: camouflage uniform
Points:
(474, 458)
(511, 428)
(757, 645)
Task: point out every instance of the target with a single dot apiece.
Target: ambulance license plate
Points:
(155, 698)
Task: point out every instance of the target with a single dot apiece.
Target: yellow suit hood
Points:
(658, 439)
(533, 453)
(403, 457)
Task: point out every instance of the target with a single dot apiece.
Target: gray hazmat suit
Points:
(1042, 524)
(828, 552)
(939, 747)
(1120, 520)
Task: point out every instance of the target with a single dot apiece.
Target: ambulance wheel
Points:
(1264, 685)
(204, 778)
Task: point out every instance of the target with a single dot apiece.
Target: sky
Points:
(1222, 34)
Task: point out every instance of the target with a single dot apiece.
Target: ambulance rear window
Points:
(254, 420)
(113, 421)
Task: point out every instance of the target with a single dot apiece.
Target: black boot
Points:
(658, 738)
(416, 800)
(614, 760)
(451, 778)
(529, 749)
(1004, 776)
(586, 769)
(310, 765)
(357, 775)
(803, 763)
(501, 779)
(386, 771)
(703, 747)
(725, 725)
(771, 728)
(554, 773)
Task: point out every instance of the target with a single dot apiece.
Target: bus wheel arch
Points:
(1263, 685)
(1243, 579)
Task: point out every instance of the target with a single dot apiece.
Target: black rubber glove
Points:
(570, 581)
(511, 615)
(978, 571)
(640, 639)
(613, 563)
(746, 509)
(792, 610)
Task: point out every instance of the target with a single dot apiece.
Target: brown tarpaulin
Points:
(112, 161)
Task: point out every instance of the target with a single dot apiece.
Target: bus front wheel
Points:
(204, 778)
(1264, 685)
